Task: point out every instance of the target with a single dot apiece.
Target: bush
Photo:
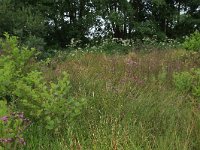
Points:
(12, 64)
(183, 81)
(192, 43)
(188, 82)
(24, 86)
(48, 104)
(35, 42)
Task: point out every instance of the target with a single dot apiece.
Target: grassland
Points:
(131, 103)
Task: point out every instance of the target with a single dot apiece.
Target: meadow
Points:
(130, 101)
(99, 74)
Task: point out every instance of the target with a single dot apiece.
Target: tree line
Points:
(57, 22)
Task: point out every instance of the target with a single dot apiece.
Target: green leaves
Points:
(12, 63)
(192, 43)
(50, 123)
(14, 53)
(3, 108)
(159, 2)
(47, 103)
(183, 81)
(188, 82)
(12, 127)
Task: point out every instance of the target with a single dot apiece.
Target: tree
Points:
(59, 21)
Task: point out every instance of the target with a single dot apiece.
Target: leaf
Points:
(50, 125)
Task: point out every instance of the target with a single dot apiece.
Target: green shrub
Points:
(35, 42)
(188, 81)
(46, 103)
(192, 43)
(12, 64)
(183, 81)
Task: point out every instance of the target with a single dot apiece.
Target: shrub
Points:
(192, 43)
(183, 81)
(47, 103)
(35, 42)
(188, 81)
(12, 64)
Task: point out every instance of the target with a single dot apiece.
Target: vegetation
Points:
(25, 87)
(188, 81)
(99, 74)
(56, 23)
(132, 101)
(192, 43)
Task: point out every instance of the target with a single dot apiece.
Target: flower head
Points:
(4, 119)
(8, 140)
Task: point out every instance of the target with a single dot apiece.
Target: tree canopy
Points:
(59, 21)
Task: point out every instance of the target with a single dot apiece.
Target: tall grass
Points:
(131, 104)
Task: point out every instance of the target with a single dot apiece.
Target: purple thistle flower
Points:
(4, 119)
(8, 140)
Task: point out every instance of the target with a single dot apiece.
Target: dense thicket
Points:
(56, 22)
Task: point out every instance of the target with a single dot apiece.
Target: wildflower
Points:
(4, 119)
(8, 140)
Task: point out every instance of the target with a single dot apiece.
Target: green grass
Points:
(131, 104)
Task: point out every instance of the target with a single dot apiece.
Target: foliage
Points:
(4, 109)
(192, 43)
(20, 19)
(49, 104)
(12, 128)
(35, 42)
(188, 81)
(61, 21)
(115, 46)
(183, 81)
(27, 89)
(12, 64)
